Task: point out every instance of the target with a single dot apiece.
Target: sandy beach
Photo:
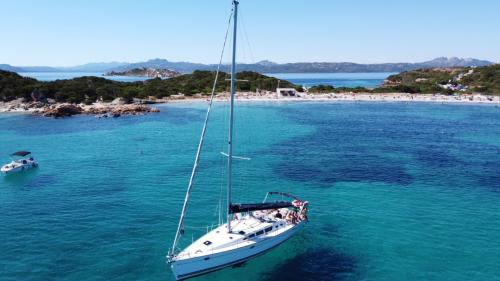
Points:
(338, 97)
(37, 108)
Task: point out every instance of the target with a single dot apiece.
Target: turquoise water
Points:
(398, 191)
(367, 80)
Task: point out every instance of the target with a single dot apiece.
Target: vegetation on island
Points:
(323, 89)
(484, 80)
(91, 89)
(467, 80)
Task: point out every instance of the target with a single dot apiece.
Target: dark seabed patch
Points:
(341, 149)
(315, 264)
(30, 179)
(139, 139)
(437, 157)
(347, 169)
(381, 145)
(41, 181)
(489, 175)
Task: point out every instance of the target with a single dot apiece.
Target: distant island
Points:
(145, 72)
(264, 66)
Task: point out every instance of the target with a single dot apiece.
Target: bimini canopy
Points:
(241, 208)
(21, 153)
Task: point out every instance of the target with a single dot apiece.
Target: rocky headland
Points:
(145, 72)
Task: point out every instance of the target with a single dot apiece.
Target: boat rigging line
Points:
(180, 227)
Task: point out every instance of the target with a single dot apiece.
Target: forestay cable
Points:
(180, 227)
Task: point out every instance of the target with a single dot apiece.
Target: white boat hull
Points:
(195, 266)
(16, 168)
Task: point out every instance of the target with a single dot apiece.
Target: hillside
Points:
(484, 80)
(262, 66)
(466, 80)
(91, 89)
(446, 80)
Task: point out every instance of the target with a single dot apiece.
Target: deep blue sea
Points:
(368, 80)
(397, 191)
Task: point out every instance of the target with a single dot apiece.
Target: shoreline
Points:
(340, 97)
(110, 109)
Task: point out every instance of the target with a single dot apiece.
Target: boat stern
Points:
(6, 168)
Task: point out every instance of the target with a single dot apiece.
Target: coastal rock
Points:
(61, 110)
(35, 105)
(179, 96)
(143, 101)
(66, 110)
(119, 110)
(18, 102)
(97, 110)
(119, 101)
(132, 109)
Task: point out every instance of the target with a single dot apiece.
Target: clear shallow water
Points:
(397, 191)
(367, 80)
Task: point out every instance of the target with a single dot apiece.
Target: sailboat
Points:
(250, 229)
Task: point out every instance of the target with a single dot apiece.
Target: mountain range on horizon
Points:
(264, 66)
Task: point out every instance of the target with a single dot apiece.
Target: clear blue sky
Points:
(64, 33)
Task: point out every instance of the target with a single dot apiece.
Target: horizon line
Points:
(259, 61)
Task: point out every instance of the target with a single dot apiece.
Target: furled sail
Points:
(241, 208)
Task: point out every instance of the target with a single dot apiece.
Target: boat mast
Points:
(231, 117)
(180, 227)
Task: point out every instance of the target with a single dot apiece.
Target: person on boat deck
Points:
(278, 215)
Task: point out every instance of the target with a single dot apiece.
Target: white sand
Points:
(17, 106)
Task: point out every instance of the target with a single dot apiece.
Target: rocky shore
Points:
(58, 110)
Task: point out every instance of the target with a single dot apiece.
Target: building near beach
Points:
(286, 92)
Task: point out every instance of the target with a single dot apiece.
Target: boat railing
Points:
(284, 194)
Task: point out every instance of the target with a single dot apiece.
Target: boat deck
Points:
(245, 231)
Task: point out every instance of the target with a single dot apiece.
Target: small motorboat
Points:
(20, 164)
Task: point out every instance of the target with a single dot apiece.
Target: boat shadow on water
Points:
(308, 258)
(20, 177)
(294, 260)
(314, 264)
(28, 179)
